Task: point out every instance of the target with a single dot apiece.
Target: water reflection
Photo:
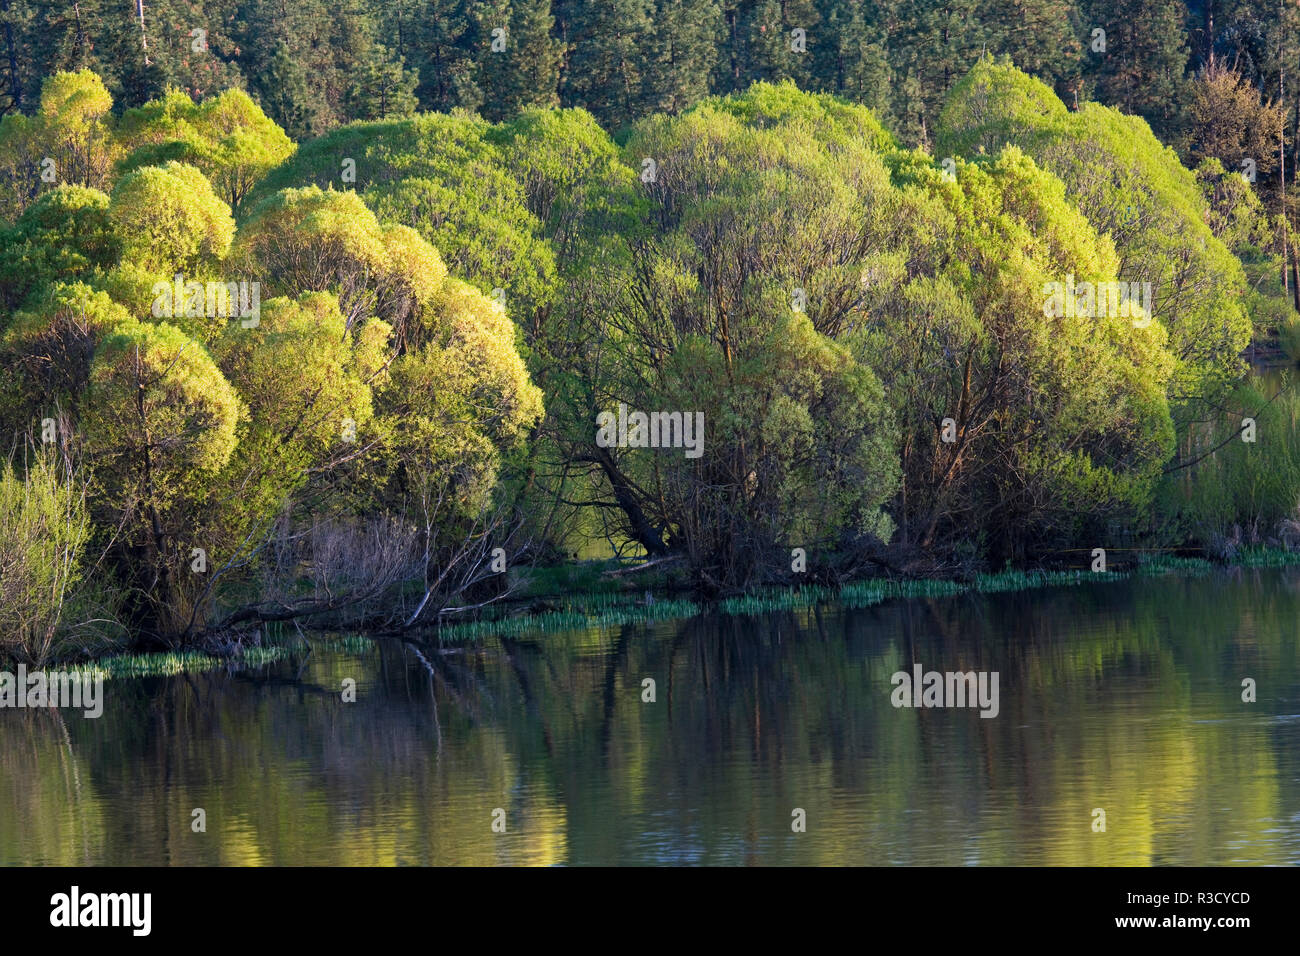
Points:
(1125, 697)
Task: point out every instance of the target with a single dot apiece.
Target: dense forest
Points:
(325, 313)
(1206, 76)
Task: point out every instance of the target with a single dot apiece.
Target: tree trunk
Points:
(642, 530)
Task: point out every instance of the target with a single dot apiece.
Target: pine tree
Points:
(1142, 69)
(1038, 36)
(932, 44)
(189, 47)
(65, 36)
(141, 53)
(15, 64)
(288, 98)
(850, 58)
(683, 47)
(606, 65)
(324, 41)
(383, 88)
(518, 59)
(179, 43)
(440, 40)
(732, 65)
(782, 40)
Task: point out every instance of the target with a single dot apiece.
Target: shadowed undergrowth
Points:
(607, 610)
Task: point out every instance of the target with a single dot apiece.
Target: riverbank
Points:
(538, 611)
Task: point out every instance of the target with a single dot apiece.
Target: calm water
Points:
(1123, 696)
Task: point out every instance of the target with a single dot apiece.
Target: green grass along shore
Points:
(598, 610)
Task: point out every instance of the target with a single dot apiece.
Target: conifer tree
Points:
(682, 49)
(936, 42)
(15, 65)
(440, 48)
(782, 39)
(1142, 69)
(383, 88)
(324, 44)
(518, 59)
(287, 97)
(849, 57)
(606, 66)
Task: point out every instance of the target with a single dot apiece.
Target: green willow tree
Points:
(372, 396)
(447, 304)
(697, 317)
(453, 400)
(227, 137)
(1033, 424)
(1132, 188)
(69, 140)
(444, 177)
(170, 220)
(66, 235)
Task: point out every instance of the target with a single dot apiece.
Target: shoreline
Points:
(590, 609)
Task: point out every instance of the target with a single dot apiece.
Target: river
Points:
(1123, 697)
